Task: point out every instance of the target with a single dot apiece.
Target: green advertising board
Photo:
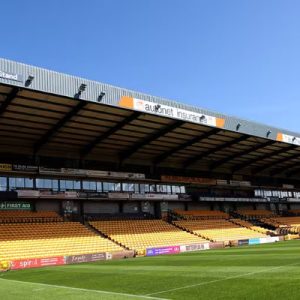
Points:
(15, 205)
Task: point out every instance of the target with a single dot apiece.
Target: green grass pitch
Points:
(270, 271)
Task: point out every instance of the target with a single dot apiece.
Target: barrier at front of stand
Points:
(37, 262)
(63, 260)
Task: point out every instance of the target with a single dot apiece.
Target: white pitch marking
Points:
(37, 290)
(218, 280)
(84, 290)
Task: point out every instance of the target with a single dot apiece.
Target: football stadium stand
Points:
(35, 240)
(295, 212)
(18, 216)
(284, 222)
(141, 234)
(255, 214)
(201, 214)
(218, 230)
(251, 226)
(91, 168)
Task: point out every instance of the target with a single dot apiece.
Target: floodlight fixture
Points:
(29, 80)
(100, 97)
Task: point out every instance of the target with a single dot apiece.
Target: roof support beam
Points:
(277, 162)
(49, 134)
(237, 155)
(200, 156)
(191, 142)
(88, 148)
(259, 158)
(168, 128)
(9, 98)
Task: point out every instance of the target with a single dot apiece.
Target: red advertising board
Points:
(37, 262)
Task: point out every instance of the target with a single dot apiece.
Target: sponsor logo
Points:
(10, 76)
(194, 247)
(162, 250)
(243, 242)
(76, 259)
(169, 111)
(37, 262)
(286, 138)
(5, 167)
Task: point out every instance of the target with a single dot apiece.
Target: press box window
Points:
(111, 187)
(49, 184)
(89, 185)
(69, 185)
(129, 187)
(19, 182)
(99, 186)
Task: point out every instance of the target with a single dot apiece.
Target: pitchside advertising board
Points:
(171, 112)
(176, 249)
(62, 260)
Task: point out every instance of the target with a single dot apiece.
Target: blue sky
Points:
(237, 57)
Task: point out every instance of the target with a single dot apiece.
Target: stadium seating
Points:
(218, 230)
(249, 225)
(252, 214)
(295, 212)
(141, 234)
(201, 214)
(284, 222)
(29, 216)
(20, 241)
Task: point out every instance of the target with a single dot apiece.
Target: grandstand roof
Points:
(45, 113)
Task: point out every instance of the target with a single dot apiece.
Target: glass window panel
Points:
(130, 187)
(47, 183)
(3, 184)
(99, 186)
(55, 184)
(176, 189)
(117, 187)
(38, 183)
(152, 188)
(77, 185)
(69, 184)
(160, 188)
(105, 186)
(28, 182)
(136, 188)
(62, 184)
(147, 188)
(169, 189)
(85, 185)
(93, 186)
(20, 182)
(142, 188)
(111, 187)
